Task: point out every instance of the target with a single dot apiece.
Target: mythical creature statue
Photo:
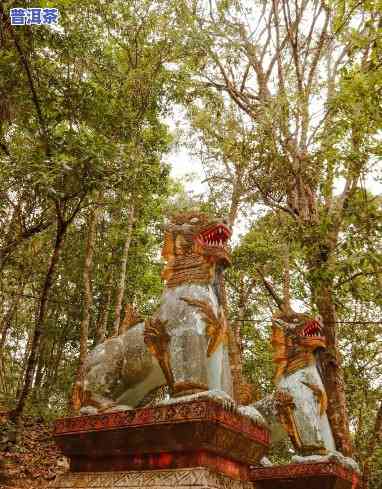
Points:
(184, 344)
(298, 406)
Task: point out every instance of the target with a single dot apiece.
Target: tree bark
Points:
(6, 322)
(241, 387)
(4, 328)
(122, 278)
(375, 440)
(40, 319)
(103, 316)
(332, 371)
(75, 402)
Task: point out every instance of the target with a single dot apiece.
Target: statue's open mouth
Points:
(215, 237)
(312, 329)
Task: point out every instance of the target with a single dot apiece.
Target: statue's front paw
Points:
(117, 408)
(222, 398)
(346, 461)
(88, 410)
(216, 395)
(331, 456)
(252, 413)
(310, 459)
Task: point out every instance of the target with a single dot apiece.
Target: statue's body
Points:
(184, 344)
(311, 420)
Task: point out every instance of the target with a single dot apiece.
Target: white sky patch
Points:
(188, 170)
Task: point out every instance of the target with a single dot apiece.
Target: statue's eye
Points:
(194, 220)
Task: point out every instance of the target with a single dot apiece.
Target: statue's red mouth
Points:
(216, 236)
(312, 329)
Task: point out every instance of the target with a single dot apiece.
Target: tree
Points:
(304, 86)
(80, 137)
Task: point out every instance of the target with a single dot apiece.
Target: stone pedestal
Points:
(305, 476)
(195, 478)
(200, 440)
(198, 444)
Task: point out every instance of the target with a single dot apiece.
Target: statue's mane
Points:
(189, 257)
(292, 351)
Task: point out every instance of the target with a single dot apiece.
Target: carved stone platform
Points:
(199, 433)
(195, 478)
(305, 476)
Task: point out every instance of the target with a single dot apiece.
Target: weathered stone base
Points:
(198, 433)
(195, 478)
(305, 476)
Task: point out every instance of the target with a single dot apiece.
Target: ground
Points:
(34, 460)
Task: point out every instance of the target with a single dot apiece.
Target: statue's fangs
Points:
(184, 344)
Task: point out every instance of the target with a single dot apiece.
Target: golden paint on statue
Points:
(192, 244)
(217, 327)
(157, 341)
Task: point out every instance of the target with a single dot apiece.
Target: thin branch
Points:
(318, 51)
(355, 275)
(270, 290)
(24, 62)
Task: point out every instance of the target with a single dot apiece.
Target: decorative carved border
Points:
(195, 478)
(294, 471)
(200, 410)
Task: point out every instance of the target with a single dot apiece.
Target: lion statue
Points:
(184, 345)
(298, 406)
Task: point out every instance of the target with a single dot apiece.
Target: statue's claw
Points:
(252, 413)
(216, 395)
(331, 456)
(118, 407)
(88, 410)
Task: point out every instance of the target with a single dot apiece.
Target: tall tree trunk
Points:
(4, 328)
(57, 353)
(375, 440)
(40, 368)
(75, 402)
(40, 319)
(242, 390)
(7, 320)
(24, 364)
(122, 278)
(286, 279)
(103, 316)
(236, 364)
(332, 370)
